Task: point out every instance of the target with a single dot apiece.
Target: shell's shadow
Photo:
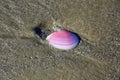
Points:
(41, 31)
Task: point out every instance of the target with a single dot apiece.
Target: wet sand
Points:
(24, 56)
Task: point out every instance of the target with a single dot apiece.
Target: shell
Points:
(63, 39)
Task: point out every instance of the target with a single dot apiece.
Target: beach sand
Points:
(24, 56)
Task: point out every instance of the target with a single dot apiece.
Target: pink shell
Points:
(63, 39)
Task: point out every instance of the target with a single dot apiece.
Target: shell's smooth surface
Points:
(63, 39)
